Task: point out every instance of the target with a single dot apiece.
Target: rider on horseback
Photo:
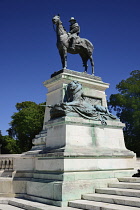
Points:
(83, 47)
(74, 32)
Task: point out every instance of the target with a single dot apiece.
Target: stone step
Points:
(5, 179)
(31, 205)
(6, 173)
(114, 199)
(9, 207)
(41, 134)
(125, 185)
(4, 200)
(119, 191)
(93, 205)
(129, 179)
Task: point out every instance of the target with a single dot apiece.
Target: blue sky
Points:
(28, 53)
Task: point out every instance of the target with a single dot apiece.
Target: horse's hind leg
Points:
(85, 64)
(92, 64)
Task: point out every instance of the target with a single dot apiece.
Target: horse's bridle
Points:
(55, 24)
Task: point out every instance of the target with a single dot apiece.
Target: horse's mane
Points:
(62, 25)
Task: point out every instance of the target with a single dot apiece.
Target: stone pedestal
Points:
(73, 155)
(93, 87)
(80, 154)
(94, 92)
(76, 132)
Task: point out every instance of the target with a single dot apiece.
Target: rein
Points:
(54, 28)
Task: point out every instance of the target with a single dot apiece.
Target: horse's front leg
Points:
(65, 58)
(63, 55)
(84, 59)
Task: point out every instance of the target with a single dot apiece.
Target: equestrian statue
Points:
(70, 42)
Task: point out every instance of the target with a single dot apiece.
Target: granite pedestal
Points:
(73, 155)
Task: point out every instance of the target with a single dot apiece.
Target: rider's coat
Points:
(74, 28)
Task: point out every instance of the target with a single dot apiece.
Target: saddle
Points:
(76, 40)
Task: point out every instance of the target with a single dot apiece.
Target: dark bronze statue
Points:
(75, 105)
(72, 43)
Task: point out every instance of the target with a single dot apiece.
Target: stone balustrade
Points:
(6, 163)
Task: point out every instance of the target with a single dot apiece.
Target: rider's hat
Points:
(72, 19)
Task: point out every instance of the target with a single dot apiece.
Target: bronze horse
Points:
(84, 47)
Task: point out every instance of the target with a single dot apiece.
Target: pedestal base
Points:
(71, 155)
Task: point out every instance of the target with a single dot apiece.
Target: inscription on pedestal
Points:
(92, 101)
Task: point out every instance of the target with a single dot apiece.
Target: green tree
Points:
(26, 123)
(8, 145)
(127, 106)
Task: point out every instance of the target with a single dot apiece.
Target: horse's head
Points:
(56, 19)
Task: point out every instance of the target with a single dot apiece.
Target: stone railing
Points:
(6, 163)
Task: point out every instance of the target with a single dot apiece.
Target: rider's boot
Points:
(72, 44)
